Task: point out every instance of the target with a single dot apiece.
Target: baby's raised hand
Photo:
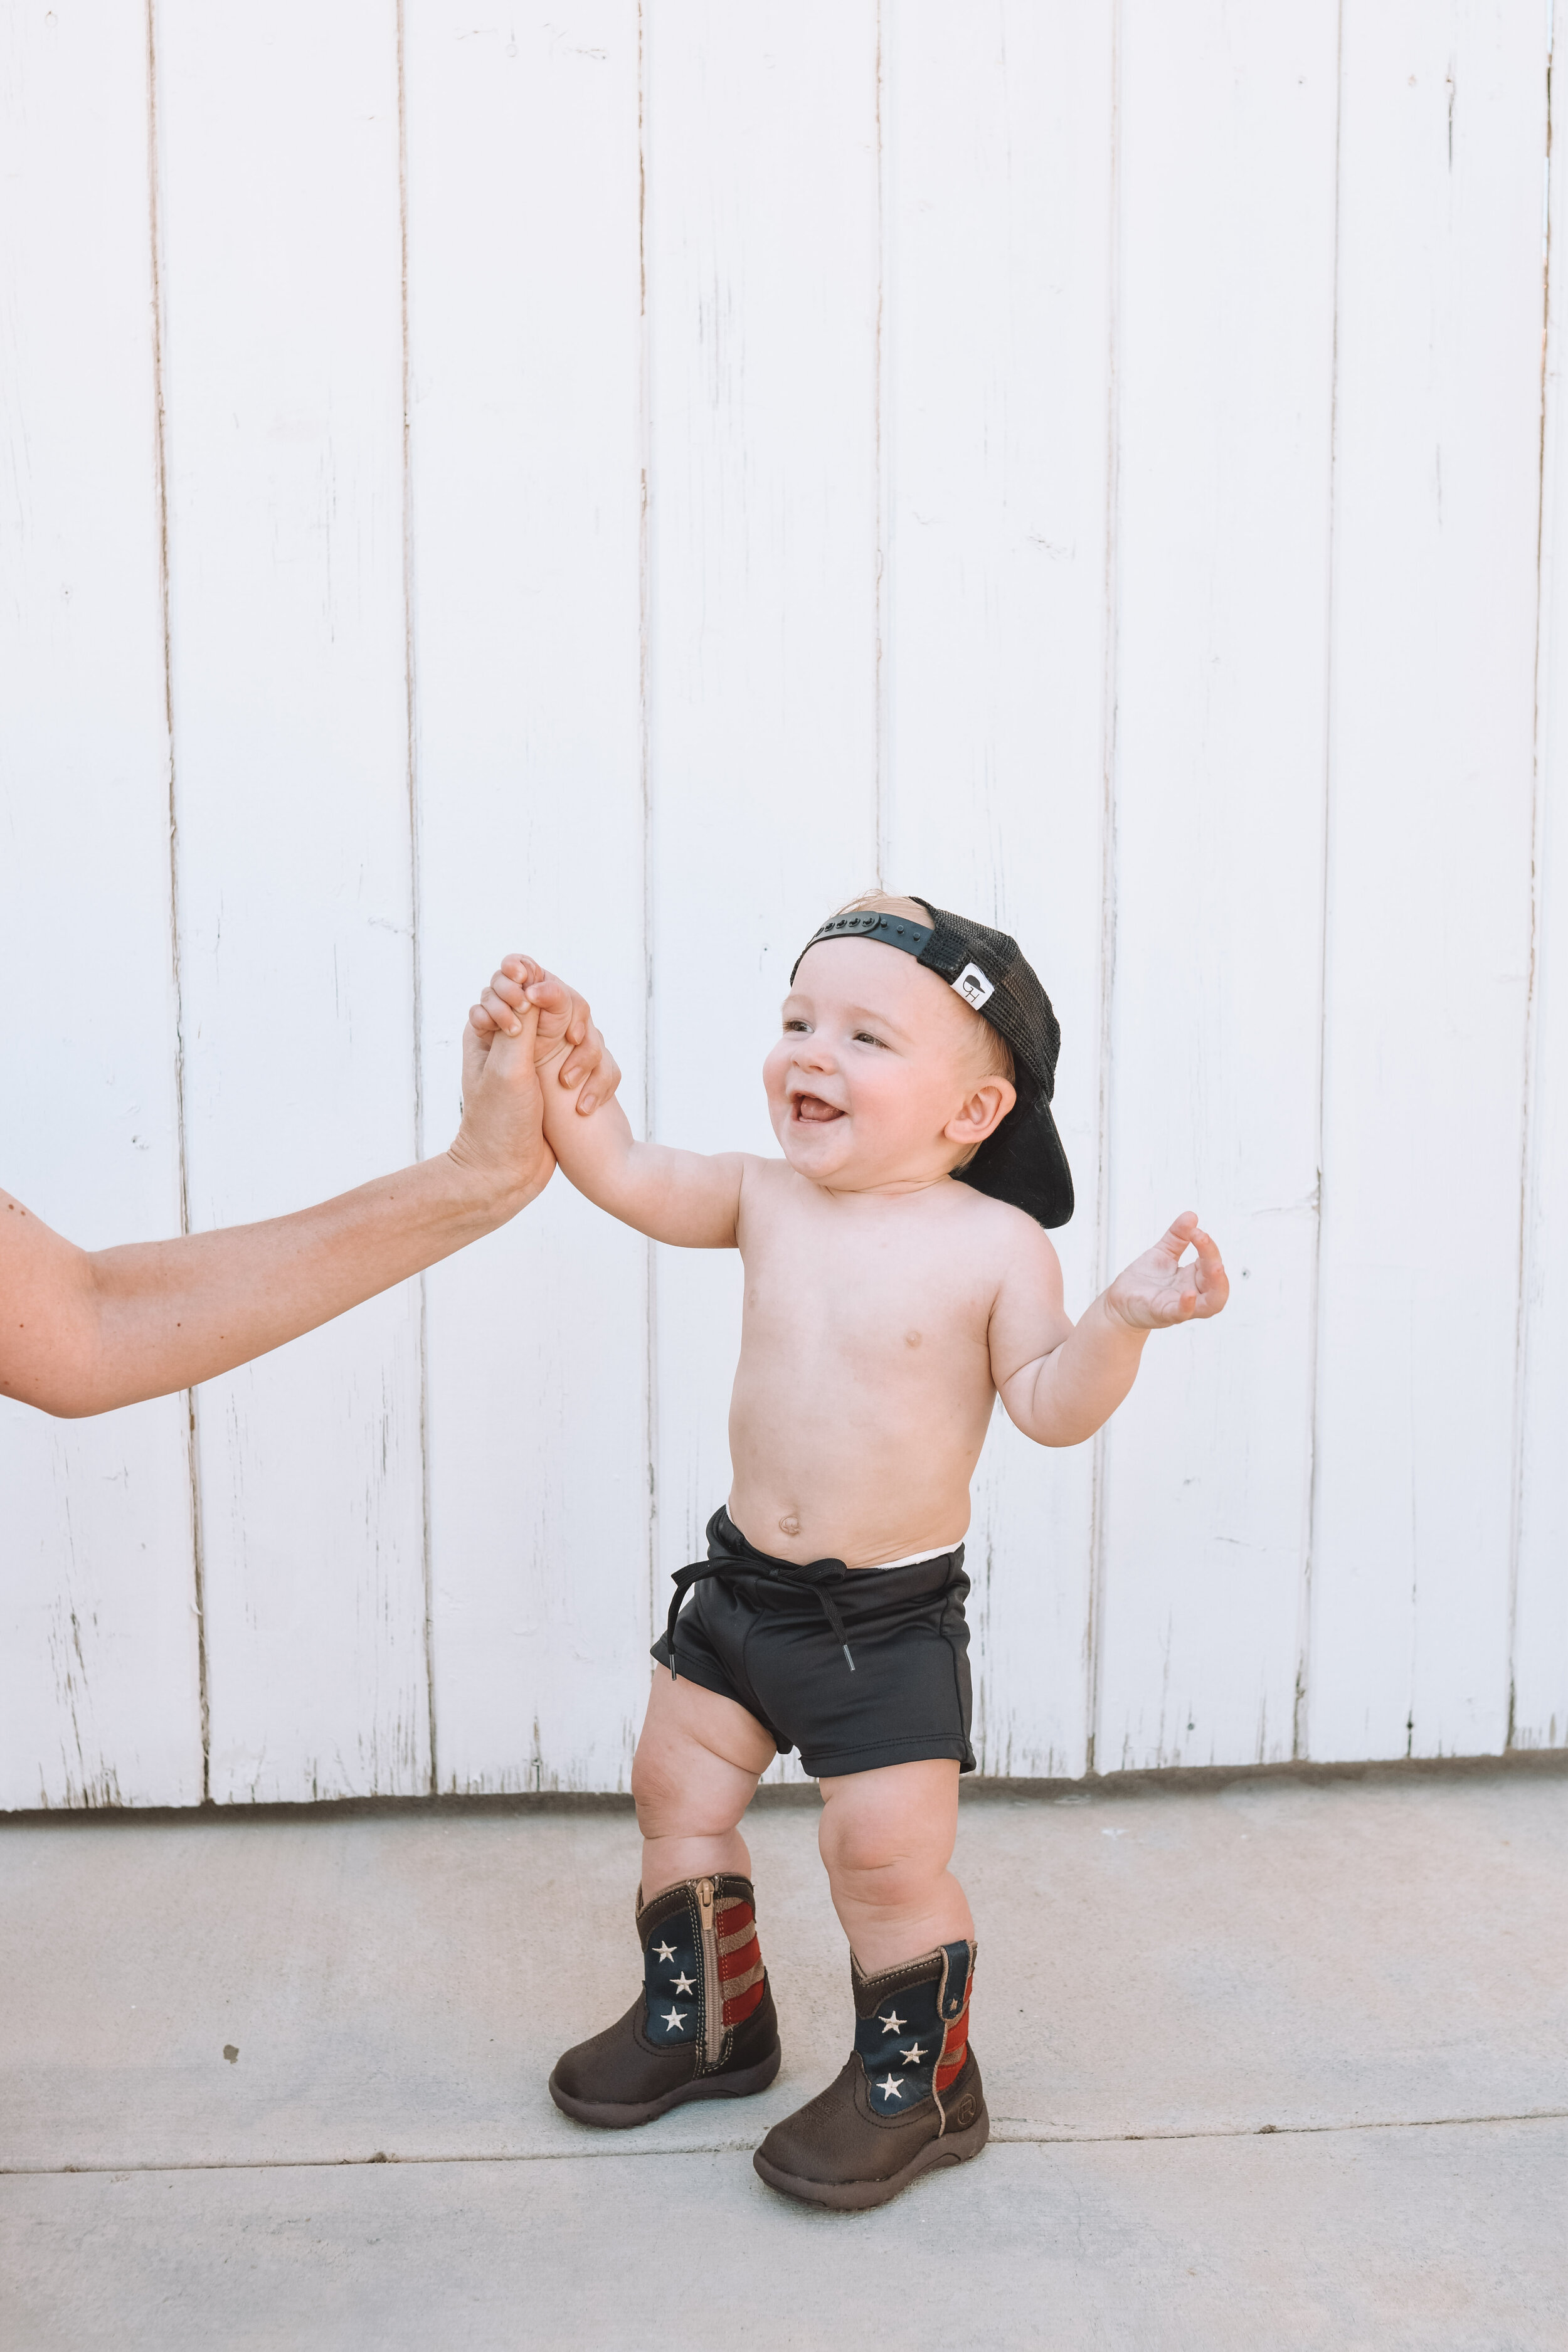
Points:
(1157, 1289)
(566, 1032)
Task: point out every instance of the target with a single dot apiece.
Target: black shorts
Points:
(767, 1633)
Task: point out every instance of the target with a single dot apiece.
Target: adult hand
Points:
(501, 1139)
(520, 984)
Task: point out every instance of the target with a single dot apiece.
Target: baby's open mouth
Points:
(812, 1109)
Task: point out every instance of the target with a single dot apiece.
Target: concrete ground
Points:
(1272, 2066)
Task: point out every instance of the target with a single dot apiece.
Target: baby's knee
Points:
(873, 1857)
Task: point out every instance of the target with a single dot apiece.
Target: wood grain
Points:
(995, 358)
(635, 476)
(283, 384)
(1225, 397)
(96, 1578)
(1436, 505)
(1539, 1659)
(526, 460)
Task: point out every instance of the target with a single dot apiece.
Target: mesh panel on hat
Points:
(1019, 1010)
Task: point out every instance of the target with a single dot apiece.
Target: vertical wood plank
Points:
(762, 228)
(525, 362)
(998, 148)
(1226, 343)
(1440, 318)
(283, 374)
(1538, 1663)
(97, 1616)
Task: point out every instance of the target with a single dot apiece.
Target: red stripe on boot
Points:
(952, 2067)
(733, 1923)
(736, 1964)
(955, 2038)
(740, 2008)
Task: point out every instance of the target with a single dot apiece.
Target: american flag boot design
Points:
(909, 2099)
(703, 2026)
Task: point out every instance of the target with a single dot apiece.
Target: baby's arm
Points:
(1061, 1394)
(689, 1198)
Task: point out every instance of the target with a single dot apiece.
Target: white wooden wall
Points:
(616, 481)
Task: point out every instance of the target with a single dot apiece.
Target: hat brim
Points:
(1024, 1164)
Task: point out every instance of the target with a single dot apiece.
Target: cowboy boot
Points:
(908, 2097)
(703, 2026)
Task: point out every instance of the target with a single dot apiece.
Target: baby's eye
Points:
(864, 1037)
(794, 1024)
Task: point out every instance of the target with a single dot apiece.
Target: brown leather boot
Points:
(909, 2099)
(703, 2026)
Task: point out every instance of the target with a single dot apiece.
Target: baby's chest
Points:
(870, 1303)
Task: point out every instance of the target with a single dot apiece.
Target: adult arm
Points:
(82, 1331)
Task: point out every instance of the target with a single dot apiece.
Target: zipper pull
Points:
(712, 1990)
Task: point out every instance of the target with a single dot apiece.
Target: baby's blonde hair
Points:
(996, 1054)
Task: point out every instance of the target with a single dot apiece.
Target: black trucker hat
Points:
(1022, 1161)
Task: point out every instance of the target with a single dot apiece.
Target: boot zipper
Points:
(712, 1990)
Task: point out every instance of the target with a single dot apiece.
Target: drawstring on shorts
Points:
(815, 1576)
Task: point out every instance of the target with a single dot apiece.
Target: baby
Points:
(886, 1307)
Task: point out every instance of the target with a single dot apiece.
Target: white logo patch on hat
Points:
(973, 986)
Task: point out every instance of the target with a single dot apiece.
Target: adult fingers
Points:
(502, 1015)
(550, 995)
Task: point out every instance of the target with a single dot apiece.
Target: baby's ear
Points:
(982, 1112)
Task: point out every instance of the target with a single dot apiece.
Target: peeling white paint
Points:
(603, 479)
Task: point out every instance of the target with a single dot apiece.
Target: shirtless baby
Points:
(886, 1306)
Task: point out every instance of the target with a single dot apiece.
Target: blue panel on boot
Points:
(672, 1980)
(898, 2048)
(899, 2044)
(957, 1980)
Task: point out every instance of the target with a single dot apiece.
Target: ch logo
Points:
(973, 986)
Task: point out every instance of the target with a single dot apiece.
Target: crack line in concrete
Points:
(743, 2147)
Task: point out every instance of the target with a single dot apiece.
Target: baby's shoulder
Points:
(767, 1188)
(1006, 1238)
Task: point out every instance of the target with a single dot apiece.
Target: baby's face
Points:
(878, 1077)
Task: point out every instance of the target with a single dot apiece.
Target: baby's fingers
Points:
(1214, 1283)
(1178, 1234)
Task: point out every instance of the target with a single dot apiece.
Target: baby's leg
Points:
(911, 2097)
(887, 1838)
(696, 1765)
(703, 2027)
